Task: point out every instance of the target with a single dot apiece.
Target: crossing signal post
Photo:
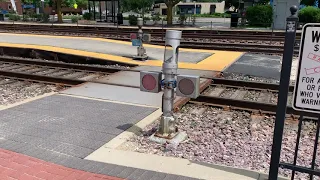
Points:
(186, 86)
(138, 39)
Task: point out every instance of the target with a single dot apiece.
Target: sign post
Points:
(306, 95)
(283, 92)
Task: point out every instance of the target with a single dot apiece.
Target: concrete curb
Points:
(246, 172)
(134, 130)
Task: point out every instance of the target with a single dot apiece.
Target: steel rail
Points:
(248, 84)
(154, 30)
(198, 34)
(224, 34)
(159, 35)
(59, 64)
(246, 105)
(41, 78)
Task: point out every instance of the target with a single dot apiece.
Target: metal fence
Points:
(290, 37)
(293, 166)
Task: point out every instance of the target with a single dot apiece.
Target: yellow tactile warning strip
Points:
(216, 62)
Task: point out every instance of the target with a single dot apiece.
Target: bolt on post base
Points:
(176, 140)
(168, 133)
(142, 58)
(167, 128)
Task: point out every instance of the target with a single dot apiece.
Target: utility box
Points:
(146, 37)
(281, 10)
(234, 19)
(1, 17)
(119, 18)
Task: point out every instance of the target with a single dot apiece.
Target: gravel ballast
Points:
(10, 94)
(231, 138)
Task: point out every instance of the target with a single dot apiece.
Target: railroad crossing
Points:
(152, 105)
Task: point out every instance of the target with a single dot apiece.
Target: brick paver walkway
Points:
(18, 166)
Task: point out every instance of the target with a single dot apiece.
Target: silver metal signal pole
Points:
(169, 69)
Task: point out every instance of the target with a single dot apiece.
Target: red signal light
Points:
(186, 86)
(133, 36)
(149, 82)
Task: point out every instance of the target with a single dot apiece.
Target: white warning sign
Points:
(307, 89)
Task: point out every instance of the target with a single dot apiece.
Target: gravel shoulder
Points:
(231, 138)
(18, 91)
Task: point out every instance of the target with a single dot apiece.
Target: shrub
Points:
(6, 15)
(156, 17)
(12, 12)
(25, 18)
(309, 14)
(14, 17)
(75, 19)
(45, 17)
(37, 17)
(182, 19)
(87, 16)
(164, 18)
(259, 15)
(146, 18)
(133, 20)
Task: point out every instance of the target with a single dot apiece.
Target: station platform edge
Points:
(218, 61)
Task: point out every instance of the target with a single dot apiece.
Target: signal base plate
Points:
(141, 58)
(175, 140)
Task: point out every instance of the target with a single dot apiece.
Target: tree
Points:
(138, 6)
(170, 4)
(68, 3)
(58, 4)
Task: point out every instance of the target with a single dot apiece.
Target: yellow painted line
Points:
(108, 40)
(73, 52)
(220, 60)
(216, 62)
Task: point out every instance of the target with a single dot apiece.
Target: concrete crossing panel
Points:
(68, 125)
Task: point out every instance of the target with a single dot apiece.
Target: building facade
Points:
(201, 7)
(6, 6)
(191, 8)
(281, 10)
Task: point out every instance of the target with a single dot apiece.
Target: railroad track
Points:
(232, 94)
(256, 42)
(244, 95)
(51, 72)
(14, 90)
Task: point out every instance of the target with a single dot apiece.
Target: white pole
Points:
(169, 69)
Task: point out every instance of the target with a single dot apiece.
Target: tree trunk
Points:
(169, 14)
(59, 2)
